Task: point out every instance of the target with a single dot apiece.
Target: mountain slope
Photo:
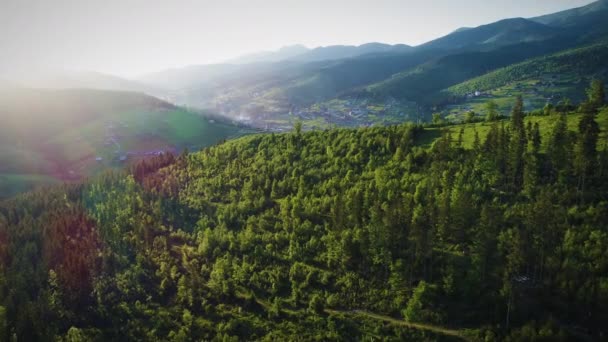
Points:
(301, 53)
(550, 79)
(581, 62)
(269, 92)
(501, 33)
(583, 24)
(345, 51)
(422, 83)
(571, 17)
(283, 53)
(266, 64)
(70, 134)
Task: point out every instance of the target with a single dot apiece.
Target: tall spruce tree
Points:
(559, 148)
(517, 145)
(586, 154)
(596, 94)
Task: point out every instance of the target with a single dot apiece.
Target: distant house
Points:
(99, 159)
(477, 93)
(123, 158)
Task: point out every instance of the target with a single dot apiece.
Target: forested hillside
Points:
(344, 234)
(589, 60)
(423, 82)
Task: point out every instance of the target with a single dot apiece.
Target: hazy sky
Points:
(130, 37)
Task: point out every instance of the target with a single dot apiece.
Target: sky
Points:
(133, 37)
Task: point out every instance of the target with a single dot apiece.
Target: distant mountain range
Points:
(365, 84)
(283, 53)
(501, 33)
(572, 17)
(330, 84)
(301, 53)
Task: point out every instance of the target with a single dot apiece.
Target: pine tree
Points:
(517, 145)
(476, 142)
(491, 111)
(559, 148)
(536, 138)
(531, 173)
(469, 116)
(586, 156)
(460, 137)
(437, 119)
(596, 95)
(548, 109)
(517, 114)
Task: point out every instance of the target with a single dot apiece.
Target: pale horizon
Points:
(132, 38)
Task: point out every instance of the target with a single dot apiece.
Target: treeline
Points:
(291, 236)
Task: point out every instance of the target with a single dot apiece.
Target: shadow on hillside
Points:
(427, 137)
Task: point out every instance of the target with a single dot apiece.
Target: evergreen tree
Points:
(476, 141)
(596, 95)
(517, 114)
(491, 111)
(437, 119)
(586, 156)
(469, 117)
(517, 145)
(559, 148)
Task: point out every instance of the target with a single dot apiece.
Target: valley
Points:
(388, 85)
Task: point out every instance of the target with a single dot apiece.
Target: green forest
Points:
(369, 234)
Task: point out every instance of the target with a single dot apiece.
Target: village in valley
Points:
(270, 114)
(348, 111)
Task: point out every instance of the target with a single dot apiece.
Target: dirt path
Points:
(242, 292)
(422, 326)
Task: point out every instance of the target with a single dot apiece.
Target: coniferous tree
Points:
(476, 141)
(491, 111)
(596, 95)
(517, 114)
(586, 153)
(559, 148)
(517, 145)
(469, 116)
